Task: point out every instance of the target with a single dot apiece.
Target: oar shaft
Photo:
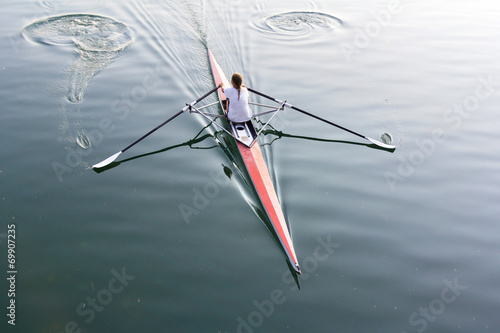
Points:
(378, 143)
(328, 122)
(110, 159)
(306, 113)
(204, 96)
(153, 130)
(262, 94)
(169, 119)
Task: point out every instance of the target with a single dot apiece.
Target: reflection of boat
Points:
(246, 138)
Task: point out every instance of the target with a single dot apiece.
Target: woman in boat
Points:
(239, 111)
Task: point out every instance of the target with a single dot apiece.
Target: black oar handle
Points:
(169, 119)
(204, 96)
(328, 122)
(263, 95)
(306, 113)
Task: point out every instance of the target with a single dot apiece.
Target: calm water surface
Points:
(388, 242)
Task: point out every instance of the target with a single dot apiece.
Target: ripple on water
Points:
(386, 138)
(296, 24)
(57, 5)
(82, 140)
(98, 40)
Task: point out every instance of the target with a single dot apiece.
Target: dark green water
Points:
(388, 242)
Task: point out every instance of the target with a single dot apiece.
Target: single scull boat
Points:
(246, 138)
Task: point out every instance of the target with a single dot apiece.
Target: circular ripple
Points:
(98, 41)
(59, 5)
(386, 138)
(297, 24)
(50, 5)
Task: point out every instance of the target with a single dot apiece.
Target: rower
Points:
(239, 110)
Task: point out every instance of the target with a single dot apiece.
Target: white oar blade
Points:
(380, 144)
(107, 161)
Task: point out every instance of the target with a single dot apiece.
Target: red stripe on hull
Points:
(257, 169)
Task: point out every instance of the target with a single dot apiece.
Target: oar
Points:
(184, 109)
(378, 143)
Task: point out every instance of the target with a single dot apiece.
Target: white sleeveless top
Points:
(239, 111)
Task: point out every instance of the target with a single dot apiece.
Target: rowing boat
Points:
(246, 138)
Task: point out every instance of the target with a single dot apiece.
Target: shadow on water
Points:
(190, 143)
(244, 182)
(280, 135)
(222, 143)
